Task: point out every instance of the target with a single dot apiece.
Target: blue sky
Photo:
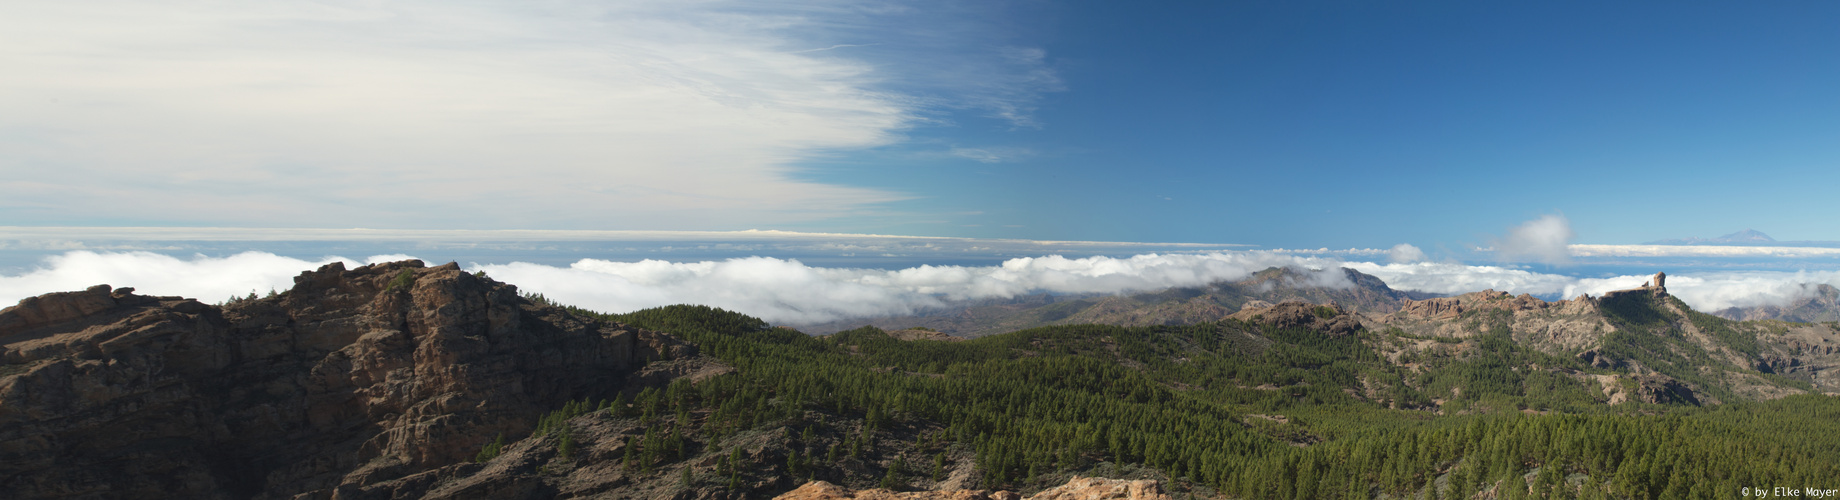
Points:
(1279, 124)
(1356, 123)
(1485, 136)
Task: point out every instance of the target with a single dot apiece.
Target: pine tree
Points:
(491, 449)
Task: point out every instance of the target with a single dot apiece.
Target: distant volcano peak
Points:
(1745, 236)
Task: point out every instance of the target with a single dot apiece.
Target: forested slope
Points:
(1231, 408)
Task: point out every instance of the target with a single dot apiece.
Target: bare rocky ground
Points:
(1076, 488)
(1578, 327)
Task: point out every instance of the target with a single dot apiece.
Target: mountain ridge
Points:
(350, 378)
(1747, 236)
(1180, 305)
(399, 380)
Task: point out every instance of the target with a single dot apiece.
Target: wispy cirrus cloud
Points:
(572, 114)
(993, 154)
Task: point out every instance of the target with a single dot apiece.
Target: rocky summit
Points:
(369, 382)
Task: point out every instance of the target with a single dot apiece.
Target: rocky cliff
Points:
(351, 378)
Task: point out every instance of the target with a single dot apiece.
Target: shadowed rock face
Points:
(353, 377)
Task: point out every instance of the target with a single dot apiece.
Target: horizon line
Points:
(212, 233)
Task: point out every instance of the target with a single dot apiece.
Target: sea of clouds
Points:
(787, 291)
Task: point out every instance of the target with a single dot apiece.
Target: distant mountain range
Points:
(1175, 306)
(1746, 237)
(1817, 303)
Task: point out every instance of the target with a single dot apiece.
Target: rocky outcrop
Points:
(820, 490)
(1656, 286)
(1438, 308)
(1660, 389)
(922, 334)
(1329, 319)
(1078, 488)
(352, 377)
(1097, 488)
(1448, 308)
(1598, 360)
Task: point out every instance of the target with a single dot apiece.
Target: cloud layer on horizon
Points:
(787, 291)
(1705, 291)
(790, 292)
(779, 290)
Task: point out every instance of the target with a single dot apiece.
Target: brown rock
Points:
(1438, 308)
(343, 381)
(34, 312)
(1096, 488)
(1078, 488)
(820, 490)
(1336, 322)
(1661, 389)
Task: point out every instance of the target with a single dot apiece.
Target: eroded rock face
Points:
(1078, 488)
(1098, 488)
(350, 378)
(1330, 319)
(1438, 308)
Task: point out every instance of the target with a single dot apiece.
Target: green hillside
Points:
(1228, 408)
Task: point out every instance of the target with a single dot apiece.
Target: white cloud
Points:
(1706, 292)
(1700, 251)
(454, 114)
(1404, 254)
(787, 291)
(1456, 278)
(791, 292)
(778, 290)
(205, 278)
(1540, 240)
(1715, 291)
